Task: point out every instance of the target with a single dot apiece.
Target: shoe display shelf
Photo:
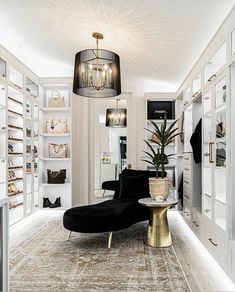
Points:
(18, 98)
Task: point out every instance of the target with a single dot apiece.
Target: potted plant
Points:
(162, 136)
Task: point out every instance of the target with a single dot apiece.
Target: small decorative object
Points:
(116, 117)
(28, 167)
(54, 126)
(224, 93)
(55, 100)
(97, 72)
(159, 186)
(58, 150)
(56, 176)
(106, 158)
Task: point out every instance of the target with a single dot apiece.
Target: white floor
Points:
(200, 268)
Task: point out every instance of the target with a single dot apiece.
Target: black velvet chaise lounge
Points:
(118, 213)
(109, 185)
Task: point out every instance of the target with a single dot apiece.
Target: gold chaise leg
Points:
(110, 239)
(69, 235)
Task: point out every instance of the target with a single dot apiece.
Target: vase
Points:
(159, 188)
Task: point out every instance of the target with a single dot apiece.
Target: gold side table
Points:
(158, 234)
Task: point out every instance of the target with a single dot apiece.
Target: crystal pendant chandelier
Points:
(116, 117)
(97, 72)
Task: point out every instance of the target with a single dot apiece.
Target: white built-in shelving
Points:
(15, 101)
(49, 88)
(212, 79)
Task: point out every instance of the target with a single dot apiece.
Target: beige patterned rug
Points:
(47, 262)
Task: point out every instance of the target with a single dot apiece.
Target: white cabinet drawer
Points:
(187, 158)
(187, 171)
(216, 243)
(187, 188)
(187, 198)
(187, 211)
(197, 223)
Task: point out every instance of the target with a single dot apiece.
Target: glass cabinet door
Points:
(207, 103)
(215, 63)
(233, 42)
(215, 153)
(196, 85)
(220, 94)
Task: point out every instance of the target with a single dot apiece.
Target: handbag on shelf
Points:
(220, 157)
(58, 150)
(220, 130)
(54, 126)
(56, 100)
(155, 138)
(56, 176)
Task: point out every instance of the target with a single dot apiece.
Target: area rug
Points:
(47, 262)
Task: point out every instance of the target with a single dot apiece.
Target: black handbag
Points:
(220, 130)
(220, 157)
(56, 176)
(159, 109)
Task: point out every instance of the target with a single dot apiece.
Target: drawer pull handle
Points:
(206, 154)
(212, 242)
(195, 223)
(207, 210)
(187, 182)
(195, 94)
(186, 196)
(212, 77)
(186, 158)
(186, 169)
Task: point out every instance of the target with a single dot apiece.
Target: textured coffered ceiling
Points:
(158, 40)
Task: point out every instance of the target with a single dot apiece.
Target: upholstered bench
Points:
(119, 213)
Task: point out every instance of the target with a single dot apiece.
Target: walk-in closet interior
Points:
(62, 147)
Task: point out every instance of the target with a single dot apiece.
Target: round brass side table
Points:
(158, 234)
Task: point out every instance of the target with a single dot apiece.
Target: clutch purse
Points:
(56, 176)
(58, 150)
(55, 100)
(54, 126)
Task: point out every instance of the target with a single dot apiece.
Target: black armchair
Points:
(118, 213)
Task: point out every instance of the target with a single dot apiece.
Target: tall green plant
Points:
(164, 136)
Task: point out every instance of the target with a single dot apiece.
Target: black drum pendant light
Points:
(97, 72)
(116, 117)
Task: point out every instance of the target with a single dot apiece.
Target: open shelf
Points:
(54, 159)
(58, 185)
(15, 101)
(55, 109)
(55, 135)
(14, 114)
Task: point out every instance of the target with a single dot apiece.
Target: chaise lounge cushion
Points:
(133, 186)
(133, 172)
(107, 216)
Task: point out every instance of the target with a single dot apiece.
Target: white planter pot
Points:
(159, 188)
